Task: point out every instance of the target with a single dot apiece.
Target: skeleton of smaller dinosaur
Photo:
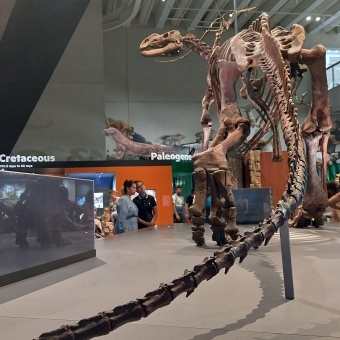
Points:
(254, 122)
(199, 136)
(300, 100)
(272, 50)
(171, 140)
(296, 74)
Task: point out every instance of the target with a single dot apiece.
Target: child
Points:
(107, 226)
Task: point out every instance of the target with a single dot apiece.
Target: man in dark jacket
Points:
(147, 207)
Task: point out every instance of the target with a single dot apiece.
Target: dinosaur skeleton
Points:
(271, 50)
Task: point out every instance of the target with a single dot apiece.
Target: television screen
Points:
(80, 200)
(98, 200)
(151, 192)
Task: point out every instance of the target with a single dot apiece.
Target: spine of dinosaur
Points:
(280, 85)
(198, 46)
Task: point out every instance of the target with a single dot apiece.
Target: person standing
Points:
(127, 211)
(113, 204)
(189, 202)
(334, 199)
(73, 210)
(147, 207)
(178, 206)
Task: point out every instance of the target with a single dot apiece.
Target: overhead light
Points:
(317, 19)
(308, 18)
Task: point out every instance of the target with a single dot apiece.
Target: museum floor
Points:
(247, 303)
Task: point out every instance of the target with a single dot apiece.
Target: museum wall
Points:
(66, 120)
(268, 168)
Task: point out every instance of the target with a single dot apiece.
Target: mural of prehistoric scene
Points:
(124, 141)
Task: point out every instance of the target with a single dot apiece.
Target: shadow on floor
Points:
(272, 287)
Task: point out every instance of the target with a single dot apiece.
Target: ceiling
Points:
(194, 14)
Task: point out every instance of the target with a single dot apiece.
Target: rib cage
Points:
(105, 322)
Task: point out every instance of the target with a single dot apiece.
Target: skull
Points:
(167, 44)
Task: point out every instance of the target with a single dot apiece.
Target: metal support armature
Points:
(286, 261)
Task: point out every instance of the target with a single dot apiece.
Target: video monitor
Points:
(98, 200)
(81, 200)
(151, 192)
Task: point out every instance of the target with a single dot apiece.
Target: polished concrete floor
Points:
(248, 303)
(13, 258)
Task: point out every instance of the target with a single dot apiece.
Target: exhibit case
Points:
(253, 204)
(42, 225)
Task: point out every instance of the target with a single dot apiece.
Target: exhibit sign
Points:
(173, 157)
(18, 161)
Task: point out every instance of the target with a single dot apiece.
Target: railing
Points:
(333, 75)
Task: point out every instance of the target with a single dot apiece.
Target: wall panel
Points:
(274, 175)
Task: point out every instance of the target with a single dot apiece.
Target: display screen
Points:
(98, 200)
(80, 200)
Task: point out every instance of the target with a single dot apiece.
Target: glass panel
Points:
(253, 204)
(43, 219)
(329, 78)
(336, 75)
(333, 75)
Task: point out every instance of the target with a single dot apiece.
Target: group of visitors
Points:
(180, 207)
(128, 213)
(181, 213)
